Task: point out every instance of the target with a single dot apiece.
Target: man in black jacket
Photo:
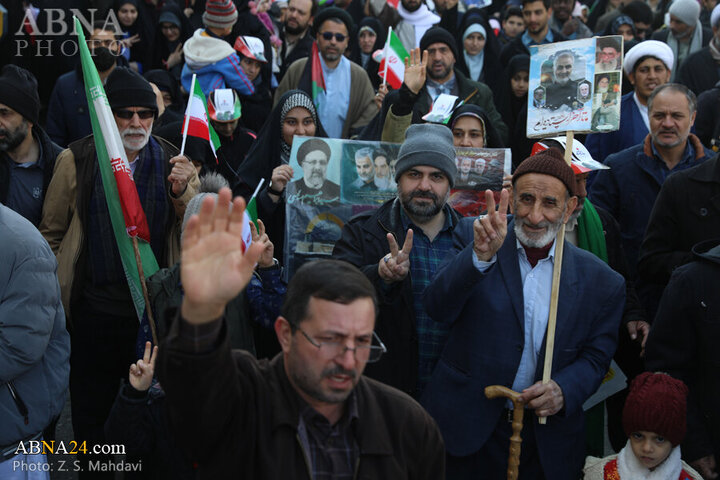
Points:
(27, 155)
(296, 35)
(420, 220)
(700, 71)
(683, 342)
(308, 413)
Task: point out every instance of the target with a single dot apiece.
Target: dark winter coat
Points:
(363, 243)
(686, 212)
(242, 420)
(684, 341)
(699, 72)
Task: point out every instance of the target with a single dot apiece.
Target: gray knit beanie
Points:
(427, 144)
(687, 11)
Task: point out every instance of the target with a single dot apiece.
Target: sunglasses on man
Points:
(329, 36)
(128, 114)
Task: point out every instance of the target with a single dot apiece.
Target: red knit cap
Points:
(220, 14)
(548, 162)
(656, 403)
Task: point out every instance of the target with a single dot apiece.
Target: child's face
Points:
(650, 448)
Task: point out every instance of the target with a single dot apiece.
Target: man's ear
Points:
(284, 333)
(571, 205)
(631, 77)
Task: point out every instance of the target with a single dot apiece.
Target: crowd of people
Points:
(372, 363)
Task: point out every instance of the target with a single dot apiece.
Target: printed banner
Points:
(336, 179)
(568, 91)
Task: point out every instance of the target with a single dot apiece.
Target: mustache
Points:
(133, 131)
(421, 194)
(338, 370)
(543, 224)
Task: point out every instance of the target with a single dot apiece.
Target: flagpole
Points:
(262, 180)
(385, 54)
(187, 115)
(148, 308)
(555, 287)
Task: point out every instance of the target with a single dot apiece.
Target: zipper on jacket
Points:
(19, 402)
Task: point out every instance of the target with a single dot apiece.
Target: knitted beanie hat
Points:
(438, 35)
(548, 162)
(19, 91)
(687, 11)
(656, 403)
(127, 88)
(220, 14)
(427, 144)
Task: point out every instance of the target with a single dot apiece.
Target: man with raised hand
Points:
(309, 412)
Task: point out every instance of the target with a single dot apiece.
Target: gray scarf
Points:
(695, 45)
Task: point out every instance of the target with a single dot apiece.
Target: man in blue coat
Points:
(495, 294)
(629, 189)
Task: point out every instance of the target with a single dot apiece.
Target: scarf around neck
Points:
(695, 45)
(630, 468)
(590, 232)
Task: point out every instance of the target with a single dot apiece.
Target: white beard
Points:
(536, 241)
(134, 145)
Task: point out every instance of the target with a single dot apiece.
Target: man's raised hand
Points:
(141, 373)
(213, 267)
(489, 231)
(395, 266)
(415, 70)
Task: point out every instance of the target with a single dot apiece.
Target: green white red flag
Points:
(317, 77)
(392, 66)
(250, 216)
(126, 212)
(196, 122)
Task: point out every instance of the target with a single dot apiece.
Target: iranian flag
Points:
(196, 120)
(392, 66)
(316, 75)
(126, 213)
(250, 216)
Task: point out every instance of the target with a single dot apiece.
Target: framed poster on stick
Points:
(574, 87)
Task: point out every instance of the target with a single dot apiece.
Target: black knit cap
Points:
(438, 35)
(333, 12)
(19, 91)
(548, 162)
(127, 88)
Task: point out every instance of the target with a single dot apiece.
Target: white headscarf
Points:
(474, 62)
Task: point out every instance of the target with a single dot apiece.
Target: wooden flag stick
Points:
(555, 290)
(151, 320)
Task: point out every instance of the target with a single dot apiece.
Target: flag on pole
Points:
(392, 66)
(317, 77)
(126, 213)
(250, 216)
(196, 123)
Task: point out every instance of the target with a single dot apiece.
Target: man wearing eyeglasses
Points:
(346, 104)
(307, 413)
(76, 223)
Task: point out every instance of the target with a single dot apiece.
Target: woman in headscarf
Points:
(370, 37)
(513, 91)
(269, 159)
(137, 32)
(478, 60)
(172, 31)
(472, 128)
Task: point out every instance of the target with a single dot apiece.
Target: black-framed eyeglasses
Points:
(128, 114)
(335, 348)
(329, 36)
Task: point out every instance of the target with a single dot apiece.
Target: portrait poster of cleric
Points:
(333, 180)
(479, 169)
(572, 86)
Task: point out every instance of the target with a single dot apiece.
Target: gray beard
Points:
(538, 241)
(14, 138)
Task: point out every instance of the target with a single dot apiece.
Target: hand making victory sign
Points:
(489, 231)
(395, 266)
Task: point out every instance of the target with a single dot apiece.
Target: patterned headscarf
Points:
(299, 99)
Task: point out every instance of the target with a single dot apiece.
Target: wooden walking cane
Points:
(555, 289)
(496, 391)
